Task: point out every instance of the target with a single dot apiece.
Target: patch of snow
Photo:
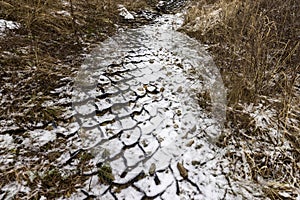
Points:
(125, 13)
(8, 125)
(10, 190)
(42, 137)
(160, 3)
(43, 198)
(65, 3)
(64, 13)
(129, 194)
(95, 188)
(6, 141)
(285, 195)
(262, 116)
(151, 188)
(5, 24)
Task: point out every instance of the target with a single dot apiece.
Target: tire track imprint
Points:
(135, 99)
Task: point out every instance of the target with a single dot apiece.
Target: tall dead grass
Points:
(48, 46)
(37, 58)
(257, 40)
(256, 47)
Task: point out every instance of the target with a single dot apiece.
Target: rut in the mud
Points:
(135, 98)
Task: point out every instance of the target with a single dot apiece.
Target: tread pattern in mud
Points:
(136, 103)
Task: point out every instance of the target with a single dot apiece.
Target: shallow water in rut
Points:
(136, 102)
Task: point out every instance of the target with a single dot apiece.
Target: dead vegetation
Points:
(40, 56)
(48, 47)
(39, 171)
(255, 44)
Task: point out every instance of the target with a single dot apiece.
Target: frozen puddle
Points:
(136, 102)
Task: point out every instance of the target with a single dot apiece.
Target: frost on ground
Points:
(268, 158)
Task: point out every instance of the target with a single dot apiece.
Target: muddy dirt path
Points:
(137, 106)
(147, 107)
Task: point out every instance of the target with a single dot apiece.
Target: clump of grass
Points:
(105, 174)
(255, 44)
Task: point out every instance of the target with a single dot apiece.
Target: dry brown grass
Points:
(256, 40)
(47, 47)
(34, 58)
(256, 46)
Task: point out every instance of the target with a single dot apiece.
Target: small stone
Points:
(160, 139)
(178, 112)
(180, 65)
(124, 174)
(190, 143)
(155, 98)
(179, 89)
(183, 172)
(151, 61)
(193, 129)
(144, 143)
(195, 162)
(152, 169)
